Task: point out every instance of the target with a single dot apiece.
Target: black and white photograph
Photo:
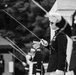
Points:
(37, 37)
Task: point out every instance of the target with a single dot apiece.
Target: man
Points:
(58, 47)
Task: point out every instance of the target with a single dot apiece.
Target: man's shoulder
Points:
(61, 35)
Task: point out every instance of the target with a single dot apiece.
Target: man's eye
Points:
(52, 23)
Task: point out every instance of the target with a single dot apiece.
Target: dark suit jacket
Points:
(58, 52)
(37, 58)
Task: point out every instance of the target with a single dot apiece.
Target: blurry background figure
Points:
(38, 68)
(35, 56)
(1, 64)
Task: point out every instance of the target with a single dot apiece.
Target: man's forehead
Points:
(52, 18)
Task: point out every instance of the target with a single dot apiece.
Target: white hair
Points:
(54, 15)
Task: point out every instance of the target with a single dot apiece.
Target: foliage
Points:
(31, 16)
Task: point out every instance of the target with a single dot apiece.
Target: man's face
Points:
(53, 21)
(32, 51)
(36, 45)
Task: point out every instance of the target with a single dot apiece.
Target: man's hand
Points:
(44, 42)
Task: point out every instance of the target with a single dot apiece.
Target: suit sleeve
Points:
(62, 45)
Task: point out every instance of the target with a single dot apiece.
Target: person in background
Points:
(58, 47)
(35, 56)
(1, 64)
